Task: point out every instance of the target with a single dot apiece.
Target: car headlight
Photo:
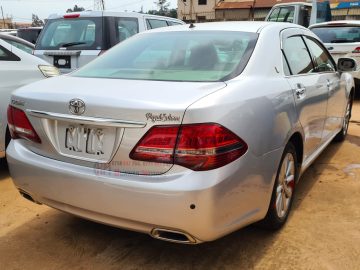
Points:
(49, 71)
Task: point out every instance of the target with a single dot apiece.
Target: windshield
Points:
(78, 33)
(338, 34)
(175, 56)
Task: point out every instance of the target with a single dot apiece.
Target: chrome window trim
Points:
(87, 120)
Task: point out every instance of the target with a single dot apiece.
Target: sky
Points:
(21, 10)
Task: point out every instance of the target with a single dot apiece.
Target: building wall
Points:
(190, 10)
(233, 14)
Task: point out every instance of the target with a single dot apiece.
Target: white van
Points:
(72, 40)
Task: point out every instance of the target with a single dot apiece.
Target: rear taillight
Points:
(20, 126)
(356, 50)
(198, 147)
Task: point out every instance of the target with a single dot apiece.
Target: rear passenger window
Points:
(126, 27)
(321, 58)
(153, 23)
(6, 55)
(173, 23)
(297, 56)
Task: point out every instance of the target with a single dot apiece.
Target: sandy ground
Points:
(323, 231)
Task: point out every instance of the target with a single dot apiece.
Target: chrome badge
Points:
(77, 106)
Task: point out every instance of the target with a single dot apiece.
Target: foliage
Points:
(36, 21)
(75, 9)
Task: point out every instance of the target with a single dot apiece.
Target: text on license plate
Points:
(82, 139)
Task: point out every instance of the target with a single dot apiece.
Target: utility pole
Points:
(2, 13)
(99, 5)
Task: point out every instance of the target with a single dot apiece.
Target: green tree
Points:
(75, 9)
(36, 21)
(163, 6)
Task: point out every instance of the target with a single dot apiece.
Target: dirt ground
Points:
(323, 231)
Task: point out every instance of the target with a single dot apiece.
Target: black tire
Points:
(357, 89)
(341, 136)
(273, 220)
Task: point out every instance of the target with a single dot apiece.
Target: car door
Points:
(310, 91)
(326, 68)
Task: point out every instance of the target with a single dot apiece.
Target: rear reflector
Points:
(356, 50)
(71, 16)
(20, 126)
(198, 147)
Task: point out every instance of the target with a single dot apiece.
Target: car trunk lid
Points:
(97, 122)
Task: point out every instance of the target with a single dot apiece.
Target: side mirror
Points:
(346, 64)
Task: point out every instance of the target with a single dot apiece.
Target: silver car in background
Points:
(71, 40)
(186, 133)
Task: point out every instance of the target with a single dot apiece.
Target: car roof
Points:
(17, 39)
(111, 14)
(241, 26)
(336, 23)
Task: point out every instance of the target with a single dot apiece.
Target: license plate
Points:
(82, 139)
(62, 61)
(87, 142)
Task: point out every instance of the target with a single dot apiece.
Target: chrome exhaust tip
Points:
(173, 236)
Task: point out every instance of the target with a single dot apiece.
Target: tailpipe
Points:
(173, 236)
(27, 196)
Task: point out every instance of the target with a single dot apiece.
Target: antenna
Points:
(99, 5)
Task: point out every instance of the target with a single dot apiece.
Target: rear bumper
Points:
(224, 200)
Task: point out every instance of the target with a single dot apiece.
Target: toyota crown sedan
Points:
(186, 133)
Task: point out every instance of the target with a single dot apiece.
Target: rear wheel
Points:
(345, 126)
(283, 191)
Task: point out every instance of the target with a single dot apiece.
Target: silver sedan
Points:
(186, 133)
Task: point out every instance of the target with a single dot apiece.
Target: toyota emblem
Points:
(77, 106)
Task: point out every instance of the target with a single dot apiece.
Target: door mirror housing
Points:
(346, 64)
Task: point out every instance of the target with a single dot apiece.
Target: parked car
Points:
(18, 43)
(30, 34)
(72, 40)
(183, 132)
(17, 68)
(342, 39)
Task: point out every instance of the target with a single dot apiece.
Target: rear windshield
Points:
(78, 33)
(30, 35)
(282, 14)
(175, 56)
(338, 34)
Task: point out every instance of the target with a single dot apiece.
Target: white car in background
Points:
(71, 40)
(342, 39)
(17, 68)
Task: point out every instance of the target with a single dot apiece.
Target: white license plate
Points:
(87, 142)
(82, 139)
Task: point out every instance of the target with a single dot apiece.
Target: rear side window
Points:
(173, 23)
(6, 55)
(21, 46)
(175, 56)
(126, 27)
(153, 23)
(78, 33)
(321, 58)
(297, 55)
(338, 34)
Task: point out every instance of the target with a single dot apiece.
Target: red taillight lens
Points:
(356, 50)
(20, 126)
(198, 147)
(157, 145)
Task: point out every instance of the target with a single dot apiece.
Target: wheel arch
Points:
(297, 140)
